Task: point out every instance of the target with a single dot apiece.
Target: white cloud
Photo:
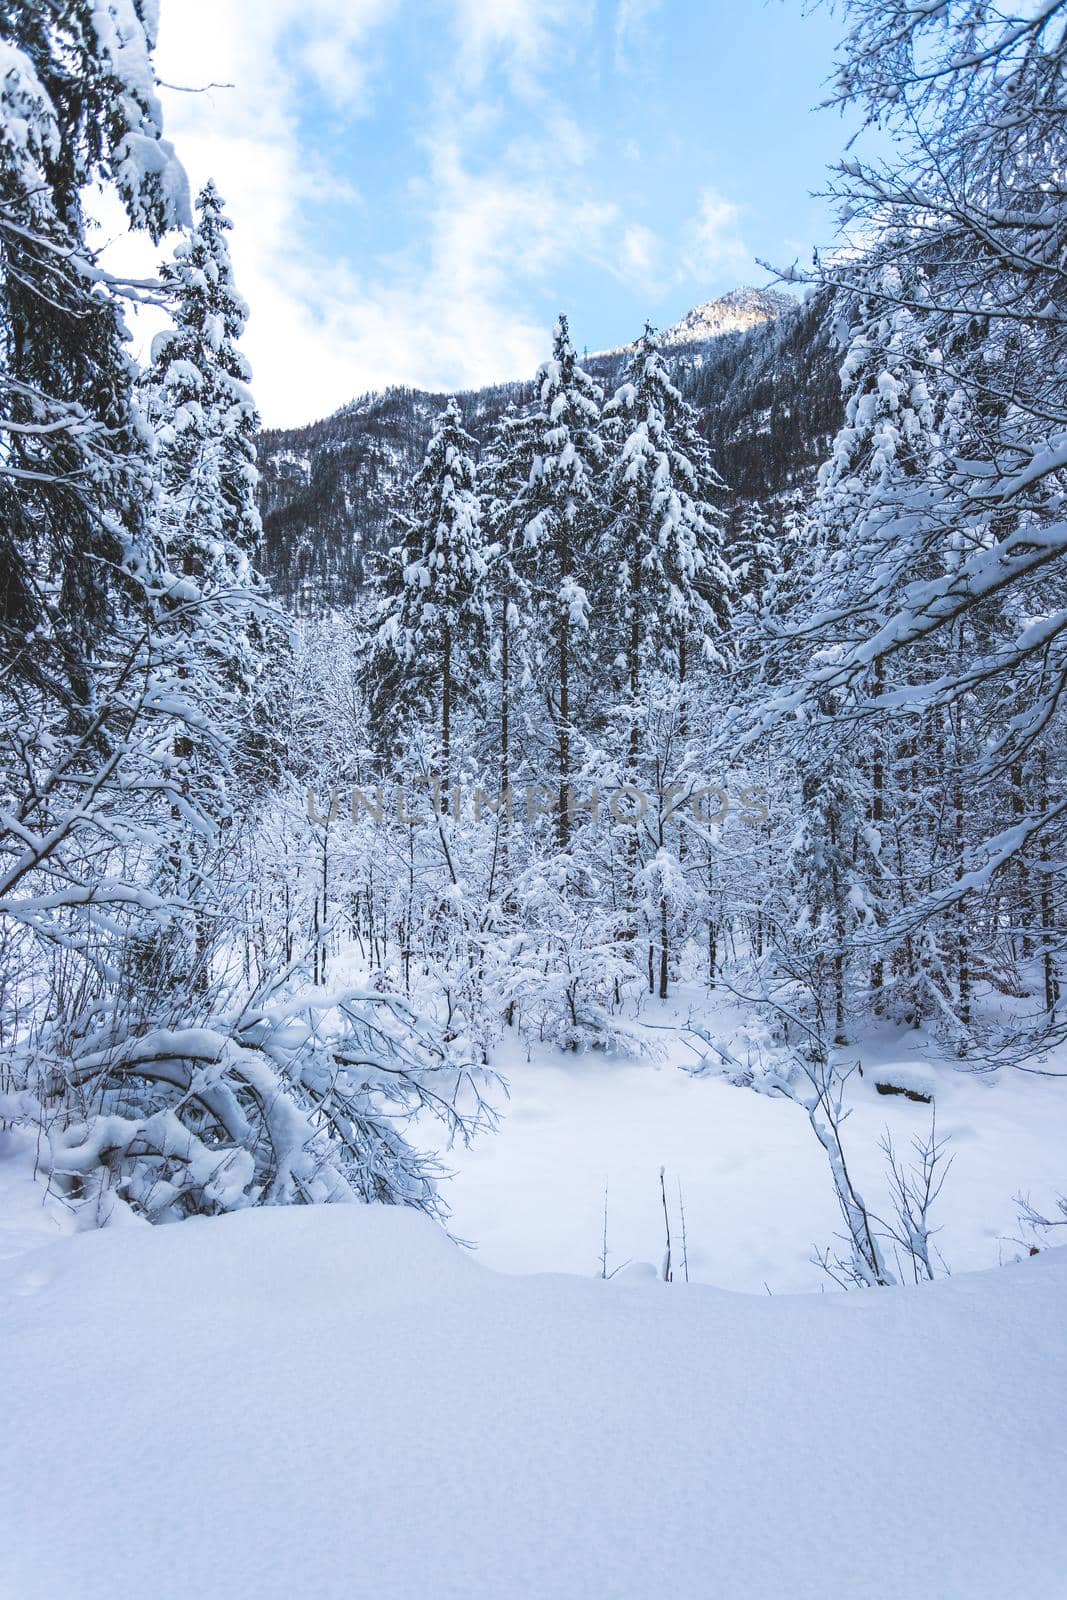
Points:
(519, 35)
(714, 245)
(632, 18)
(257, 48)
(493, 222)
(453, 317)
(447, 312)
(641, 258)
(247, 138)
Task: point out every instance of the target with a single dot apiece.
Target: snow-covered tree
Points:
(553, 460)
(200, 403)
(972, 195)
(202, 409)
(432, 634)
(509, 583)
(663, 539)
(207, 527)
(841, 864)
(754, 557)
(664, 575)
(77, 106)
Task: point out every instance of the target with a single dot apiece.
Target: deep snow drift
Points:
(337, 1402)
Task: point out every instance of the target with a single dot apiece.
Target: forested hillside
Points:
(769, 401)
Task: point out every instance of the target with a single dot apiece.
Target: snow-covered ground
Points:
(342, 1402)
(756, 1185)
(337, 1402)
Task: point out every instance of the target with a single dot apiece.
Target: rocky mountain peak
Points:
(731, 313)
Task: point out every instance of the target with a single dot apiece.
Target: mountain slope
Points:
(735, 312)
(768, 392)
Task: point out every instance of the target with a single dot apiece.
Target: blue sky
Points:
(418, 186)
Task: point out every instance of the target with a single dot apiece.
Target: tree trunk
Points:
(634, 743)
(663, 963)
(563, 829)
(1048, 907)
(563, 818)
(963, 942)
(877, 975)
(683, 724)
(446, 716)
(840, 932)
(504, 814)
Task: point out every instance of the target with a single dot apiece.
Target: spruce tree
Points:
(200, 403)
(664, 574)
(433, 627)
(202, 409)
(754, 557)
(664, 536)
(504, 477)
(77, 106)
(862, 777)
(551, 466)
(207, 525)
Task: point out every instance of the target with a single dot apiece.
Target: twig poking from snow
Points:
(668, 1276)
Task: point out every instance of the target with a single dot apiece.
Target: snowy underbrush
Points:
(356, 1409)
(282, 1098)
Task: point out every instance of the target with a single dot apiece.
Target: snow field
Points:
(755, 1182)
(338, 1402)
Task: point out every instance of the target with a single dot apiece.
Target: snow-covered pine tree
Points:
(431, 642)
(77, 106)
(200, 403)
(550, 465)
(849, 770)
(511, 602)
(664, 536)
(664, 575)
(202, 408)
(754, 557)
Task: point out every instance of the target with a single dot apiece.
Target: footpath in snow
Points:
(339, 1403)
